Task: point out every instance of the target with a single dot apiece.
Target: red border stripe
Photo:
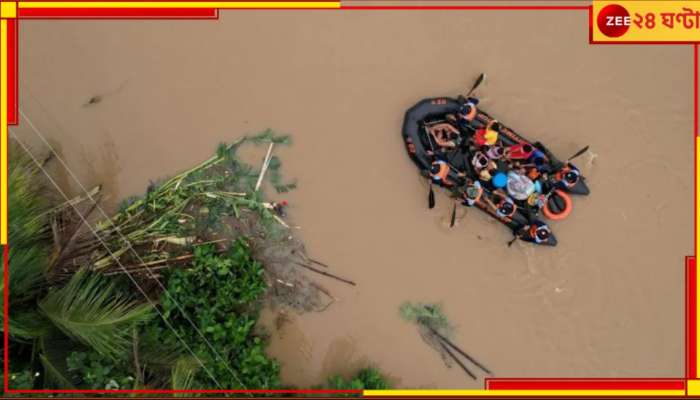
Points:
(695, 89)
(344, 7)
(12, 80)
(585, 384)
(79, 13)
(168, 391)
(6, 323)
(691, 308)
(502, 384)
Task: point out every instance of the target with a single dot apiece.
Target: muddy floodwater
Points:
(607, 302)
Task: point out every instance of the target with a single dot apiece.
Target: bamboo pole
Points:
(324, 273)
(462, 352)
(454, 357)
(266, 162)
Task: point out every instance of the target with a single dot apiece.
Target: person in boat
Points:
(488, 135)
(567, 176)
(495, 152)
(520, 151)
(445, 136)
(472, 193)
(503, 205)
(483, 166)
(467, 112)
(440, 171)
(539, 232)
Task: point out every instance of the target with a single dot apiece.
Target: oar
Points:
(578, 153)
(454, 214)
(476, 84)
(515, 237)
(431, 194)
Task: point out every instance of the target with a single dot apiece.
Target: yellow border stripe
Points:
(3, 131)
(172, 4)
(484, 392)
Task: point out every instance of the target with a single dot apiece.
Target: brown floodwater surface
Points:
(607, 302)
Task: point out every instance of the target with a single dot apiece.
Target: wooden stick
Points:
(462, 352)
(349, 282)
(266, 162)
(318, 263)
(454, 357)
(323, 290)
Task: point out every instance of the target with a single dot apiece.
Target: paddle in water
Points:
(578, 153)
(476, 84)
(454, 214)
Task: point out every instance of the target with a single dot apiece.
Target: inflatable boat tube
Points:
(415, 135)
(516, 222)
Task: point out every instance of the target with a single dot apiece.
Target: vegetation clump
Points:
(195, 248)
(435, 330)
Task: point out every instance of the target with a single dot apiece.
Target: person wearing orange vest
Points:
(468, 111)
(504, 205)
(567, 176)
(539, 232)
(472, 193)
(439, 172)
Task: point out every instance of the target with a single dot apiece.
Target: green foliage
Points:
(94, 371)
(28, 230)
(276, 176)
(92, 310)
(268, 136)
(183, 373)
(219, 294)
(366, 378)
(22, 380)
(52, 322)
(192, 203)
(430, 315)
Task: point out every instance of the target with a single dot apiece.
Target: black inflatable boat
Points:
(421, 147)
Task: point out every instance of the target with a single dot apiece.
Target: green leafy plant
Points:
(95, 371)
(219, 293)
(366, 378)
(430, 315)
(22, 379)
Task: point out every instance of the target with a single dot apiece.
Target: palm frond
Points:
(26, 325)
(28, 228)
(183, 373)
(91, 310)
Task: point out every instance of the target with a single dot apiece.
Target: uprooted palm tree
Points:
(435, 329)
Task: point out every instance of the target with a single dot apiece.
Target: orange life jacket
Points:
(443, 172)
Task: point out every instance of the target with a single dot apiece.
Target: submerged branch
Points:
(324, 273)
